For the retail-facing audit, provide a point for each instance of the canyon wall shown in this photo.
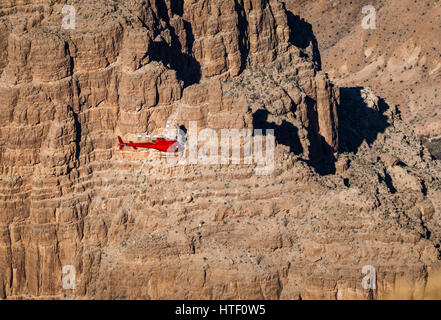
(134, 226)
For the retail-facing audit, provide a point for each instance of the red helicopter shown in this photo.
(163, 143)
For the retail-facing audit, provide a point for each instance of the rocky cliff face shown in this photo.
(399, 59)
(134, 226)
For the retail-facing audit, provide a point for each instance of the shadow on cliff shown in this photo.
(285, 134)
(302, 36)
(357, 121)
(177, 7)
(187, 68)
(174, 55)
(434, 146)
(320, 153)
(243, 36)
(78, 134)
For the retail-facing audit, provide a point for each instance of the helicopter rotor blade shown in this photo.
(167, 125)
(147, 136)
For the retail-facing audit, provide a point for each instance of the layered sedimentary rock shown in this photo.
(134, 226)
(399, 59)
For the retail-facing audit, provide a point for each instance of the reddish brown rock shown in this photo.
(134, 226)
